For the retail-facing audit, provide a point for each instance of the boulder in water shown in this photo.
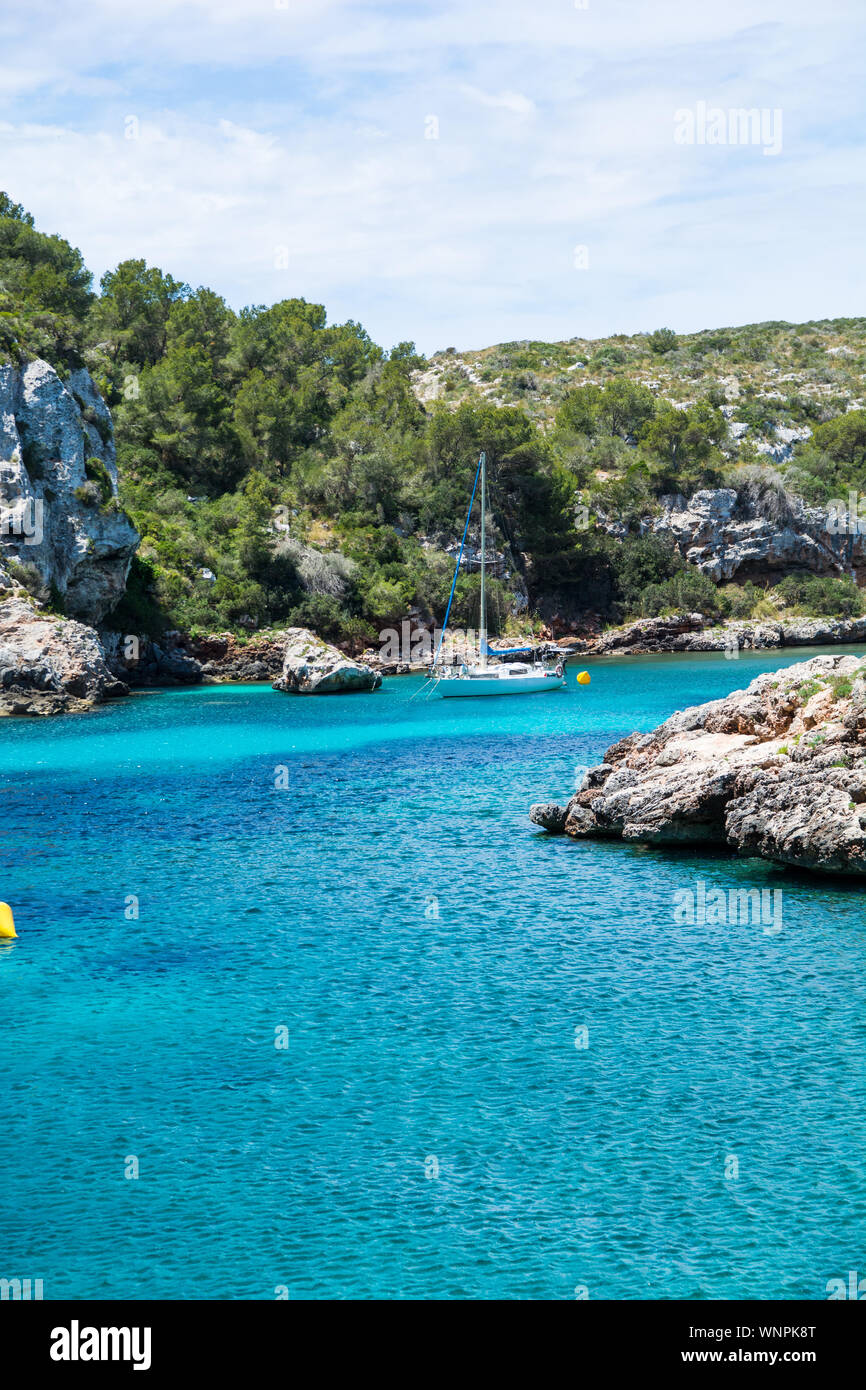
(313, 667)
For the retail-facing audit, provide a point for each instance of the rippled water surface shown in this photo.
(431, 1128)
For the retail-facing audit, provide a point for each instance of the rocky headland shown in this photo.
(777, 770)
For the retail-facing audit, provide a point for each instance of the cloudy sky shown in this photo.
(457, 172)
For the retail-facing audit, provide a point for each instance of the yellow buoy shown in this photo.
(583, 678)
(7, 922)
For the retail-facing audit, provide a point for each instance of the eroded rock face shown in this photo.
(53, 516)
(145, 662)
(723, 542)
(313, 667)
(729, 542)
(223, 658)
(777, 770)
(727, 538)
(649, 635)
(50, 665)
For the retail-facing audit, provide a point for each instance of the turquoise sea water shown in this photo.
(431, 1130)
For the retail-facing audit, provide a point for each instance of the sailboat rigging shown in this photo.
(504, 677)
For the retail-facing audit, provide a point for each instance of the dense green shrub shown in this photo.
(663, 340)
(322, 613)
(741, 600)
(822, 596)
(620, 407)
(643, 563)
(98, 474)
(45, 292)
(689, 591)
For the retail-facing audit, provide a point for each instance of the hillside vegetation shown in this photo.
(284, 469)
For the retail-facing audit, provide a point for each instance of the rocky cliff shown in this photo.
(64, 541)
(61, 528)
(777, 770)
(729, 536)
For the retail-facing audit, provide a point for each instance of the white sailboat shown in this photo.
(513, 679)
(503, 677)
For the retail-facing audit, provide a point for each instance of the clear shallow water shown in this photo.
(413, 1036)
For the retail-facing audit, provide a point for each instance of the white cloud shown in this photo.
(305, 127)
(515, 102)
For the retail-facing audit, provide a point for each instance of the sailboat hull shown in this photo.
(462, 687)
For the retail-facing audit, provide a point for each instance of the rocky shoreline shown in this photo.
(690, 632)
(220, 657)
(177, 659)
(55, 665)
(294, 660)
(51, 665)
(777, 771)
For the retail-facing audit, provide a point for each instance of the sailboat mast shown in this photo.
(483, 558)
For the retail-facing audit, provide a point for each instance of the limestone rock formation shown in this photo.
(223, 658)
(313, 667)
(649, 635)
(726, 540)
(777, 770)
(728, 537)
(141, 661)
(60, 525)
(50, 665)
